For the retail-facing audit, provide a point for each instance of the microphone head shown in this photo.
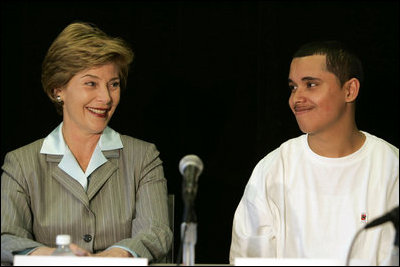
(191, 160)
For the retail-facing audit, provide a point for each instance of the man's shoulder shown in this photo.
(288, 146)
(294, 142)
(284, 151)
(377, 143)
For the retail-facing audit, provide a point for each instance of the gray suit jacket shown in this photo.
(125, 203)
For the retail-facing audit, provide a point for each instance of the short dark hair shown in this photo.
(339, 59)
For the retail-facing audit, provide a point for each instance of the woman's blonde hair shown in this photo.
(78, 47)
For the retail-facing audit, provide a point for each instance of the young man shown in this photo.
(309, 197)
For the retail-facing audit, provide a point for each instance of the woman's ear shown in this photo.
(352, 88)
(57, 94)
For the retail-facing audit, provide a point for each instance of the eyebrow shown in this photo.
(95, 77)
(307, 78)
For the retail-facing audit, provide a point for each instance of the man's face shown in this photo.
(317, 99)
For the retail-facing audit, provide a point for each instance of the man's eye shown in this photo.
(311, 84)
(292, 87)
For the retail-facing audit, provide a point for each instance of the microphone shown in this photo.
(392, 216)
(190, 167)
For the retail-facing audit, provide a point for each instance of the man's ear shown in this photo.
(351, 88)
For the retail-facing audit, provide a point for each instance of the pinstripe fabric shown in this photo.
(125, 203)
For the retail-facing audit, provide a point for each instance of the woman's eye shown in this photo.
(90, 83)
(115, 84)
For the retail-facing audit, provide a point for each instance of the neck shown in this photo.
(336, 144)
(81, 144)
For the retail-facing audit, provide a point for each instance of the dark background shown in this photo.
(208, 78)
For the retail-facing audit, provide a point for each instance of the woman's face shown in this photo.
(90, 99)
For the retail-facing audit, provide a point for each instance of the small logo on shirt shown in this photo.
(363, 217)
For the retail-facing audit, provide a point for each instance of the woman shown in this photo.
(84, 179)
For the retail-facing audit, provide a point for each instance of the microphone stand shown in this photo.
(393, 217)
(394, 257)
(189, 232)
(190, 167)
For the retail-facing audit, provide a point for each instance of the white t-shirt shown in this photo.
(298, 204)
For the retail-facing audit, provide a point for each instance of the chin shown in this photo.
(306, 130)
(302, 127)
(98, 129)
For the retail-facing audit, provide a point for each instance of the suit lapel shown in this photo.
(72, 185)
(103, 173)
(97, 180)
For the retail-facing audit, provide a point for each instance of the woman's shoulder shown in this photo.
(30, 149)
(133, 141)
(25, 156)
(137, 145)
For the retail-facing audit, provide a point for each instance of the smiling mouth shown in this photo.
(301, 110)
(98, 111)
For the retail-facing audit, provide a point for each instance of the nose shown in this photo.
(297, 96)
(103, 95)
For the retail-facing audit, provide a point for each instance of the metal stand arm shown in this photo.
(189, 238)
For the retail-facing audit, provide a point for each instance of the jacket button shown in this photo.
(87, 238)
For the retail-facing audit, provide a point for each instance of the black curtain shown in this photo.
(208, 78)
